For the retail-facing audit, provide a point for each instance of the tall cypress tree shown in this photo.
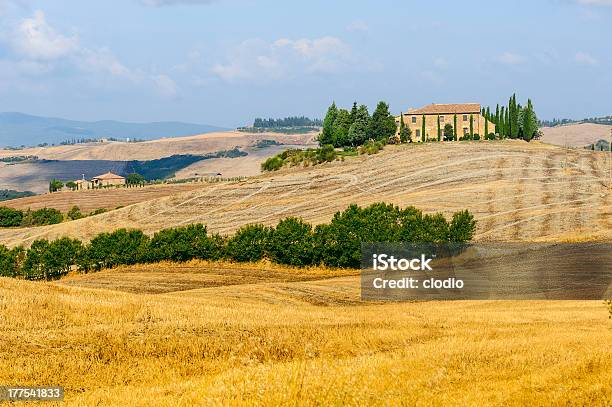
(423, 130)
(507, 122)
(486, 129)
(497, 126)
(471, 126)
(455, 127)
(529, 121)
(439, 130)
(502, 124)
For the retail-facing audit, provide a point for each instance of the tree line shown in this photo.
(293, 121)
(344, 128)
(10, 217)
(513, 120)
(292, 242)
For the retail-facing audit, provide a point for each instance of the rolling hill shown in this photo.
(576, 135)
(516, 190)
(17, 129)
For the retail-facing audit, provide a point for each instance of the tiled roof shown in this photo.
(108, 175)
(451, 108)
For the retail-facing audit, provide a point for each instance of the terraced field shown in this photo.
(516, 190)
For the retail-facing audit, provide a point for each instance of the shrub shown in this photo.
(185, 243)
(249, 243)
(272, 164)
(10, 217)
(490, 136)
(109, 250)
(74, 213)
(41, 217)
(462, 227)
(98, 211)
(476, 137)
(371, 147)
(291, 243)
(8, 262)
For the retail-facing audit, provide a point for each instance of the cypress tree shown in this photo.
(486, 129)
(423, 130)
(502, 125)
(497, 126)
(507, 123)
(327, 135)
(354, 112)
(439, 131)
(529, 121)
(471, 126)
(455, 127)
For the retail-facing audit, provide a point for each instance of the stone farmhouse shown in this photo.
(466, 113)
(104, 180)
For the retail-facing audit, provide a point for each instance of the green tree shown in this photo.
(354, 112)
(292, 243)
(71, 185)
(10, 217)
(486, 127)
(455, 127)
(382, 124)
(327, 134)
(74, 213)
(185, 243)
(342, 124)
(405, 131)
(471, 126)
(358, 132)
(439, 129)
(8, 262)
(135, 179)
(449, 134)
(423, 135)
(462, 227)
(55, 185)
(249, 243)
(529, 121)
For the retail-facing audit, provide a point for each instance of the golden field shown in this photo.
(516, 191)
(295, 337)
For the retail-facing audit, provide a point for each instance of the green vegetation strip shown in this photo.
(292, 242)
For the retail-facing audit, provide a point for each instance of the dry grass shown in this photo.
(516, 190)
(268, 343)
(576, 135)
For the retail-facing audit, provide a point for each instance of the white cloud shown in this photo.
(585, 58)
(165, 85)
(259, 61)
(358, 26)
(35, 39)
(103, 60)
(510, 58)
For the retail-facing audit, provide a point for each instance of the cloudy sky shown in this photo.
(225, 62)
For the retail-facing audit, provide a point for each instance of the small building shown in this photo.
(108, 179)
(466, 113)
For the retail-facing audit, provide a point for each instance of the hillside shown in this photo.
(516, 190)
(70, 162)
(576, 135)
(18, 129)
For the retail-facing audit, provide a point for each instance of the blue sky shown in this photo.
(225, 62)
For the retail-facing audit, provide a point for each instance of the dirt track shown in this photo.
(517, 191)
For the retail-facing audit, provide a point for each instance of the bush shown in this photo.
(9, 266)
(462, 227)
(249, 243)
(291, 243)
(476, 137)
(185, 243)
(42, 217)
(490, 136)
(371, 147)
(272, 164)
(74, 213)
(10, 217)
(50, 260)
(108, 250)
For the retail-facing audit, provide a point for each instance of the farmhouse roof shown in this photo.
(108, 175)
(450, 108)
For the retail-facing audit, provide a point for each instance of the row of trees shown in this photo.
(293, 121)
(10, 217)
(342, 128)
(513, 120)
(292, 242)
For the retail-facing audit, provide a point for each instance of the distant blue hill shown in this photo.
(17, 129)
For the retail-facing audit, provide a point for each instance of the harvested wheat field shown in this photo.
(576, 135)
(276, 340)
(90, 200)
(516, 191)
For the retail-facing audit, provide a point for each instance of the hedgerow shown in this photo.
(292, 242)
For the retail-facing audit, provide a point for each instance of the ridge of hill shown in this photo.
(516, 191)
(18, 129)
(576, 135)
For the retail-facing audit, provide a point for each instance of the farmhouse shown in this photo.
(107, 179)
(465, 113)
